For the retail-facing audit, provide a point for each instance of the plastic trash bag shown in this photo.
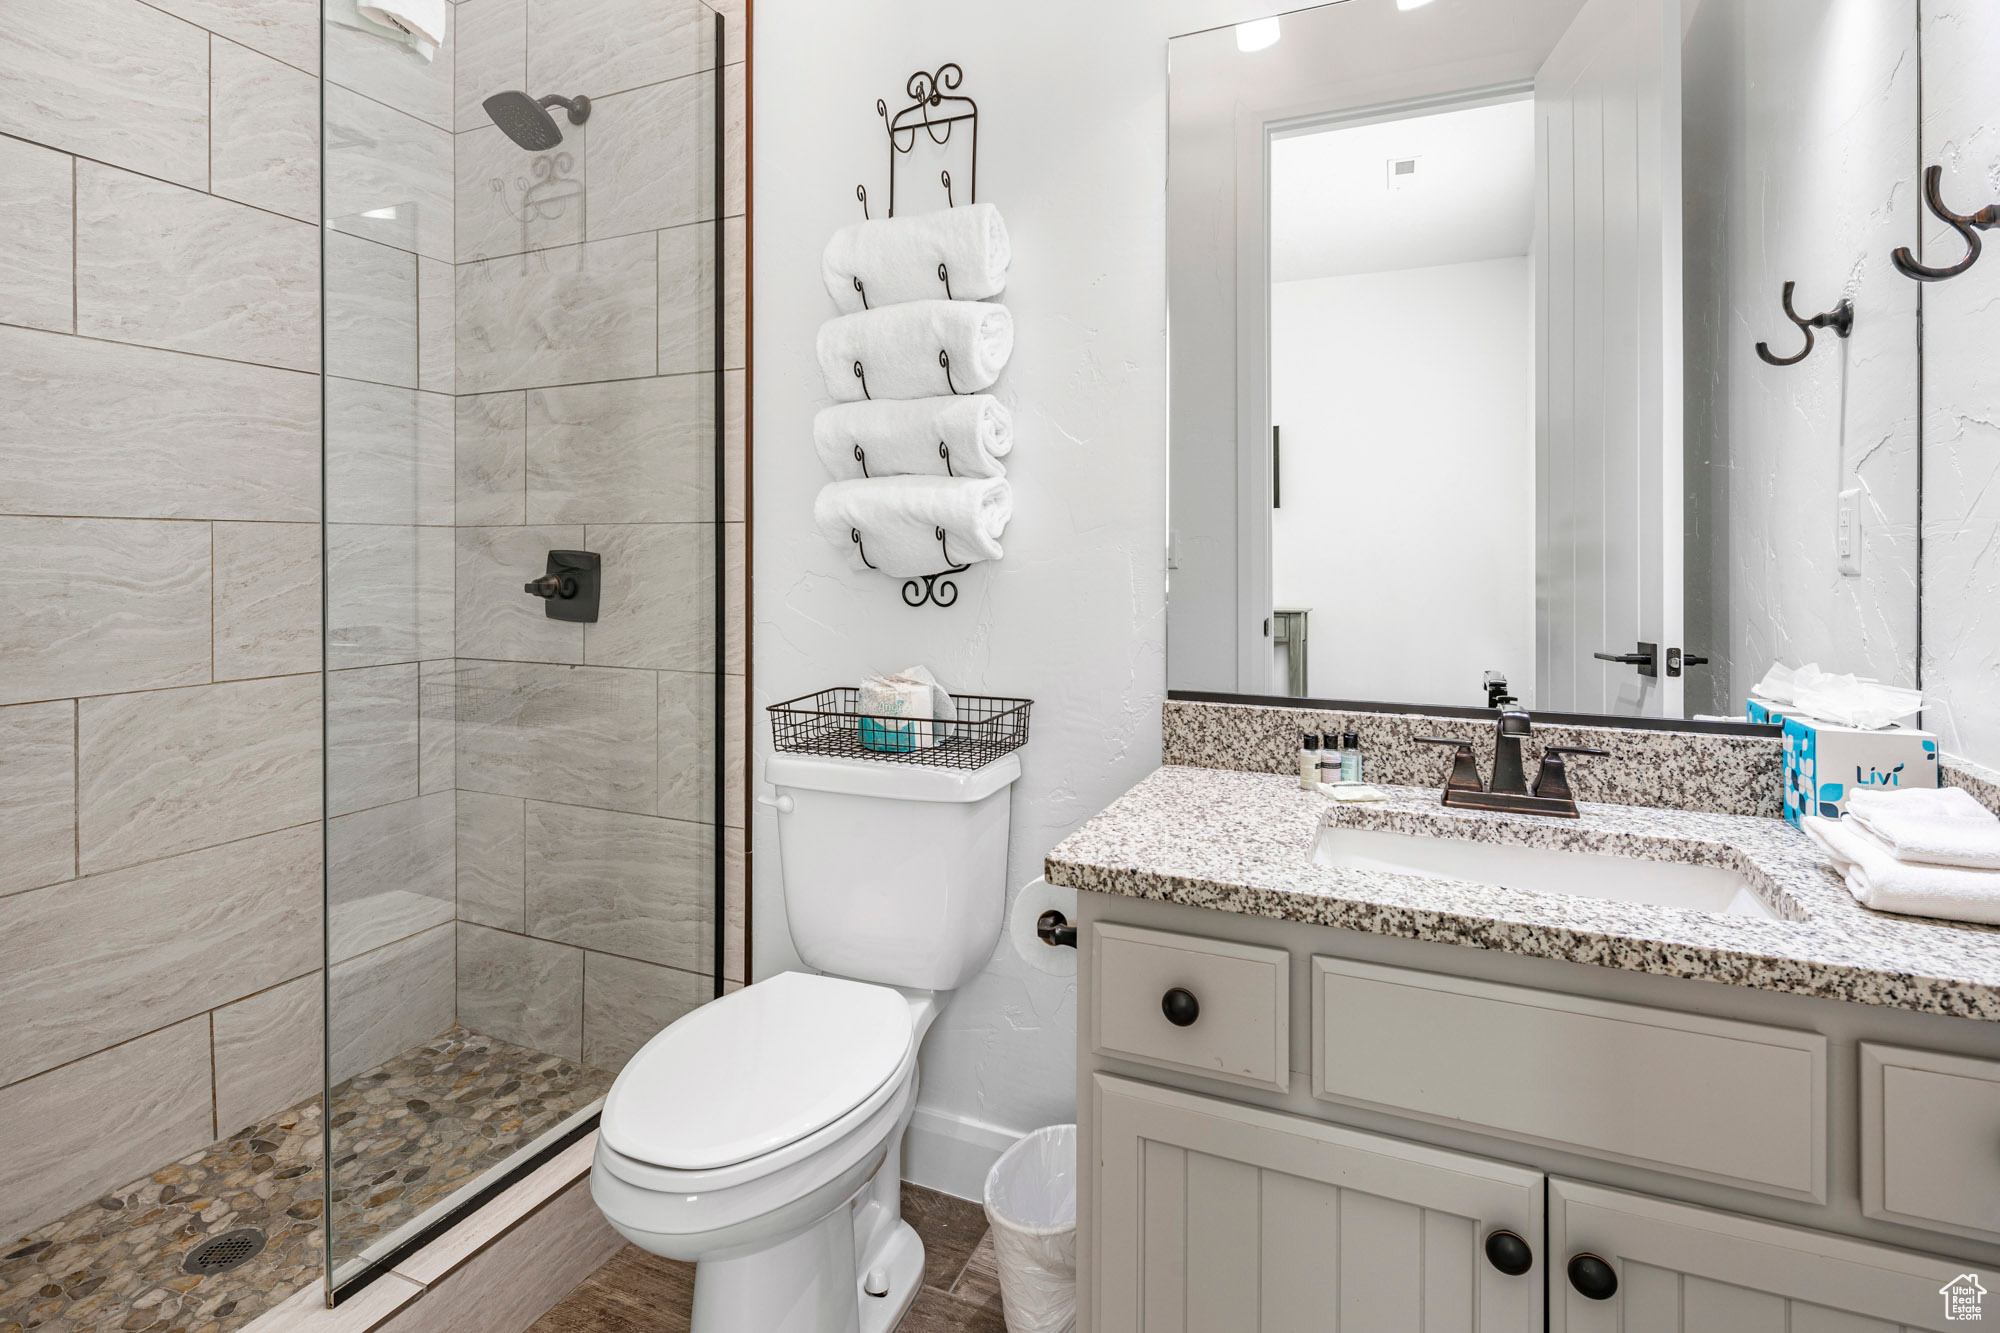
(1031, 1204)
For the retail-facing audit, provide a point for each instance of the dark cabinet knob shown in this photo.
(1509, 1253)
(1592, 1277)
(1180, 1007)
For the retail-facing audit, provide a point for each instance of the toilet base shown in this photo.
(815, 1282)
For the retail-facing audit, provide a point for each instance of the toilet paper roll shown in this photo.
(1029, 904)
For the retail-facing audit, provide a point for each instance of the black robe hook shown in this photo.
(1840, 319)
(1967, 226)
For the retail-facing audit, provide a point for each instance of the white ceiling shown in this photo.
(1472, 198)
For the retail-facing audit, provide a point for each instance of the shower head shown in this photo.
(526, 120)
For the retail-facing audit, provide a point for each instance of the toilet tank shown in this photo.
(893, 873)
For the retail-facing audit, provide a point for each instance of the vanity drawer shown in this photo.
(1930, 1140)
(1240, 997)
(1737, 1103)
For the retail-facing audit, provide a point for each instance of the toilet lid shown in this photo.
(756, 1070)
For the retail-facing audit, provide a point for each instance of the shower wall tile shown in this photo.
(267, 603)
(491, 857)
(687, 305)
(626, 451)
(526, 991)
(130, 432)
(735, 903)
(436, 325)
(492, 458)
(115, 605)
(511, 200)
(735, 444)
(371, 311)
(658, 608)
(735, 295)
(390, 999)
(389, 874)
(266, 131)
(171, 770)
(630, 884)
(687, 745)
(528, 729)
(437, 726)
(492, 54)
(588, 45)
(650, 162)
(267, 1053)
(286, 29)
(38, 793)
(399, 165)
(116, 80)
(735, 135)
(735, 593)
(393, 75)
(102, 959)
(389, 594)
(37, 208)
(169, 267)
(371, 736)
(496, 619)
(626, 1003)
(94, 1125)
(579, 313)
(388, 454)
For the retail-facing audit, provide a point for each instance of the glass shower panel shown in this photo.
(521, 380)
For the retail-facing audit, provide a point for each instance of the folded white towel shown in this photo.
(1879, 881)
(933, 437)
(898, 519)
(423, 21)
(897, 259)
(1941, 826)
(898, 349)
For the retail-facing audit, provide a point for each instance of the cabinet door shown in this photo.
(1212, 1217)
(1688, 1270)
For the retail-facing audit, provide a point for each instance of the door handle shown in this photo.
(1644, 657)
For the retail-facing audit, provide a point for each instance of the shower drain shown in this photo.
(221, 1254)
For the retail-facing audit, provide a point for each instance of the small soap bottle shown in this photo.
(1350, 758)
(1329, 758)
(1309, 762)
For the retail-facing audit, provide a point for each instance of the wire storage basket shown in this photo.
(831, 722)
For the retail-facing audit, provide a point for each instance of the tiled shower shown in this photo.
(485, 854)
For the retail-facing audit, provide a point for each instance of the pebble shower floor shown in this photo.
(405, 1135)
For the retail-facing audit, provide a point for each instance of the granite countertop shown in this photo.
(1243, 843)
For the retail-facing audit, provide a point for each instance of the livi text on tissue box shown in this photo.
(1824, 762)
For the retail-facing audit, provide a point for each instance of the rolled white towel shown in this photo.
(1941, 826)
(898, 349)
(898, 519)
(1879, 881)
(422, 21)
(904, 438)
(897, 259)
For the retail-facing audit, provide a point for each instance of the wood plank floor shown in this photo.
(638, 1292)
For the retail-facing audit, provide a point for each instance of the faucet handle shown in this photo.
(1552, 783)
(1464, 767)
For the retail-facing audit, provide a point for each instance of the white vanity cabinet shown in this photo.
(1218, 1217)
(1325, 1131)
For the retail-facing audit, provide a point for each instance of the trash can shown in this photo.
(1031, 1204)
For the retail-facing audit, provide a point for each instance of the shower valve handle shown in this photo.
(552, 585)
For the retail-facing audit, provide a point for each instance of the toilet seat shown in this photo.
(754, 1080)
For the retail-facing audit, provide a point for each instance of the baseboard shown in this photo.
(951, 1153)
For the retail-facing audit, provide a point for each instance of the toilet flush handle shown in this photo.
(782, 804)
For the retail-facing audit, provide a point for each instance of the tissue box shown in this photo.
(1824, 762)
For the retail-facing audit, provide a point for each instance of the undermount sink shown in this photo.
(1616, 879)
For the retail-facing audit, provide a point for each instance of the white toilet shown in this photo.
(761, 1136)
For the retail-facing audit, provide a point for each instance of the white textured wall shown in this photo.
(1799, 123)
(1452, 433)
(1073, 150)
(1961, 48)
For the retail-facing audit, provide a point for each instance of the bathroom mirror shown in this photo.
(1467, 399)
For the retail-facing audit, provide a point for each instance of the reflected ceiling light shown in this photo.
(1258, 34)
(1411, 4)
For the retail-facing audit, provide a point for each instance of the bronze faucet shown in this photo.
(1509, 790)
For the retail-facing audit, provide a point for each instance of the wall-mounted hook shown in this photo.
(861, 457)
(937, 589)
(934, 109)
(864, 380)
(944, 276)
(944, 359)
(1840, 319)
(854, 535)
(861, 290)
(1966, 226)
(945, 454)
(861, 193)
(944, 179)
